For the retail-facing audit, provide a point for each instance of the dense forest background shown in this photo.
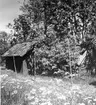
(63, 29)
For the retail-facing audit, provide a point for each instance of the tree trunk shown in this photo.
(45, 19)
(33, 65)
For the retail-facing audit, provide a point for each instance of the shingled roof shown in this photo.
(19, 49)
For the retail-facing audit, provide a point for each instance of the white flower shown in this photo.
(32, 103)
(33, 91)
(62, 97)
(3, 76)
(89, 101)
(95, 99)
(87, 98)
(46, 103)
(20, 87)
(81, 104)
(36, 100)
(27, 81)
(29, 96)
(14, 80)
(49, 91)
(11, 82)
(43, 89)
(2, 86)
(58, 81)
(67, 103)
(75, 87)
(14, 92)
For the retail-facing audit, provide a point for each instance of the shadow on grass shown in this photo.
(59, 75)
(93, 83)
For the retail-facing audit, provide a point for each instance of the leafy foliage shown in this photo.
(90, 46)
(3, 44)
(53, 23)
(21, 27)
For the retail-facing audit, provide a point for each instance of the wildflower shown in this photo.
(14, 80)
(81, 104)
(62, 97)
(2, 86)
(3, 76)
(14, 92)
(67, 103)
(49, 91)
(29, 96)
(42, 88)
(32, 103)
(36, 100)
(95, 99)
(75, 87)
(20, 87)
(46, 103)
(28, 81)
(33, 91)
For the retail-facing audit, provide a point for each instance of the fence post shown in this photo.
(14, 64)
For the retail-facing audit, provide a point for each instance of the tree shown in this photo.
(3, 35)
(54, 20)
(3, 44)
(88, 18)
(21, 28)
(90, 46)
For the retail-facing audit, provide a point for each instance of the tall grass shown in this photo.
(20, 90)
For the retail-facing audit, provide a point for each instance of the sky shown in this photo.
(9, 9)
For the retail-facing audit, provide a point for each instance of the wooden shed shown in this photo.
(17, 57)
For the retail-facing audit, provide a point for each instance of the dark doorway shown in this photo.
(10, 63)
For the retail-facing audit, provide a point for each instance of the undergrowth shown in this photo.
(20, 90)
